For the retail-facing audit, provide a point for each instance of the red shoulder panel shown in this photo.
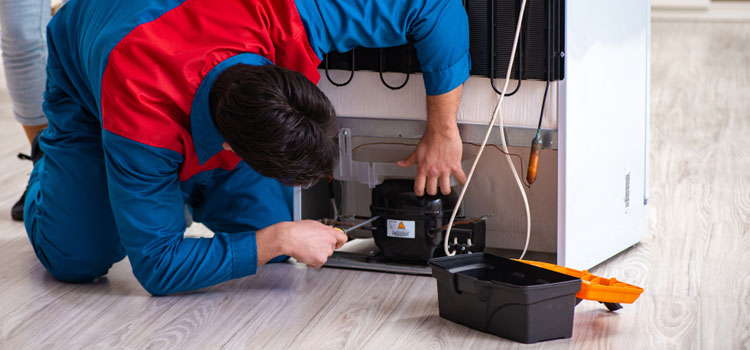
(152, 75)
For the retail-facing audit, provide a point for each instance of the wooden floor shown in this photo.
(694, 263)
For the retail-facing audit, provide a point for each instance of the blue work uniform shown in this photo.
(131, 140)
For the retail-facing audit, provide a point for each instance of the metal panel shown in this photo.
(474, 133)
(605, 89)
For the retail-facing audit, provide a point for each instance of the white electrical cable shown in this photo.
(505, 149)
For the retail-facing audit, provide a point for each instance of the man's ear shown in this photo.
(227, 147)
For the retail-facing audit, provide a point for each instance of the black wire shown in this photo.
(541, 114)
(549, 62)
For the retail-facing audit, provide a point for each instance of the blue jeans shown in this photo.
(23, 40)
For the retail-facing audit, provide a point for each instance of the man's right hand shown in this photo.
(308, 241)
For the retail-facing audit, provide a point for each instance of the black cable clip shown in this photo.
(408, 69)
(519, 51)
(351, 76)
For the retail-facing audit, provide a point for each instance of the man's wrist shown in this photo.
(280, 240)
(270, 242)
(442, 113)
(444, 129)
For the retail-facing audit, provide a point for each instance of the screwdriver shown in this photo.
(363, 223)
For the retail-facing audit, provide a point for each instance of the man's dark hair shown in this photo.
(277, 121)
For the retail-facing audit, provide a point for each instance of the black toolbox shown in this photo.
(505, 297)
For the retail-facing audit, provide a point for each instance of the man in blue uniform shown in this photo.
(158, 104)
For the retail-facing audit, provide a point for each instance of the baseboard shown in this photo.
(719, 11)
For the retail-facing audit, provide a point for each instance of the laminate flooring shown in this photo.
(693, 264)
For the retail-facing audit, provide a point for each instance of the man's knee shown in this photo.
(75, 261)
(76, 269)
(78, 275)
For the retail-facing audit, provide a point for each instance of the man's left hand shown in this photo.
(437, 156)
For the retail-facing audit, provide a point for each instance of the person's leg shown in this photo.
(23, 41)
(32, 130)
(69, 219)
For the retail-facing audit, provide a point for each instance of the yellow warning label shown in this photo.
(401, 225)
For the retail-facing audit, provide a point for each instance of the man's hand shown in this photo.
(438, 154)
(308, 241)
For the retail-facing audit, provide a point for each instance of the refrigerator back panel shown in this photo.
(491, 31)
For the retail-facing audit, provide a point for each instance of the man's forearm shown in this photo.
(438, 154)
(442, 111)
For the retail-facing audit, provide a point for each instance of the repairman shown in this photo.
(159, 105)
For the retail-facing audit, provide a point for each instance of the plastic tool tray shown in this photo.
(505, 297)
(608, 291)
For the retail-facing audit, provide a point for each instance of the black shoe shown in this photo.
(16, 212)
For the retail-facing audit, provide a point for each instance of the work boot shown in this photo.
(16, 212)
